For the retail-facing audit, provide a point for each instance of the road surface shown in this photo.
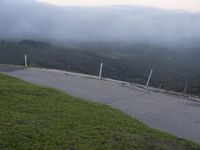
(165, 112)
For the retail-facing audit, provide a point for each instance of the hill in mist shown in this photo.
(124, 62)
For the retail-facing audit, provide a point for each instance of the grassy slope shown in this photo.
(33, 117)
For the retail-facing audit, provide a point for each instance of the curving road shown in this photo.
(166, 112)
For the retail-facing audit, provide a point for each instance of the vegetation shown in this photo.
(33, 117)
(128, 62)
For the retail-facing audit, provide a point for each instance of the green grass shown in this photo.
(33, 117)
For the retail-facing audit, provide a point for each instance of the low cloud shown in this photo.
(28, 19)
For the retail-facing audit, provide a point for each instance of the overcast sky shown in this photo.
(191, 5)
(30, 19)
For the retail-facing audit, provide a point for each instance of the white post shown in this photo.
(149, 78)
(185, 87)
(100, 72)
(25, 60)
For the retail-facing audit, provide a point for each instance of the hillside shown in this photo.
(33, 117)
(124, 62)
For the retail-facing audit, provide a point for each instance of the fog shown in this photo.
(28, 19)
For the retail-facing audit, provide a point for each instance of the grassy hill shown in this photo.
(130, 63)
(34, 117)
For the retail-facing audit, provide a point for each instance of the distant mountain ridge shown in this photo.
(124, 62)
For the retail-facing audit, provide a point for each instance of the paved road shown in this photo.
(10, 68)
(169, 113)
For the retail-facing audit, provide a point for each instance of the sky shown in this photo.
(189, 5)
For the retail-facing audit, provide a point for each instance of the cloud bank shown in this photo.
(28, 19)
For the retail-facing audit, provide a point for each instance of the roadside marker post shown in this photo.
(25, 60)
(100, 72)
(149, 78)
(185, 87)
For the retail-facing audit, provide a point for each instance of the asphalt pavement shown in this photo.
(170, 113)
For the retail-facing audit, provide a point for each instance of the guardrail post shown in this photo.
(149, 78)
(25, 61)
(100, 72)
